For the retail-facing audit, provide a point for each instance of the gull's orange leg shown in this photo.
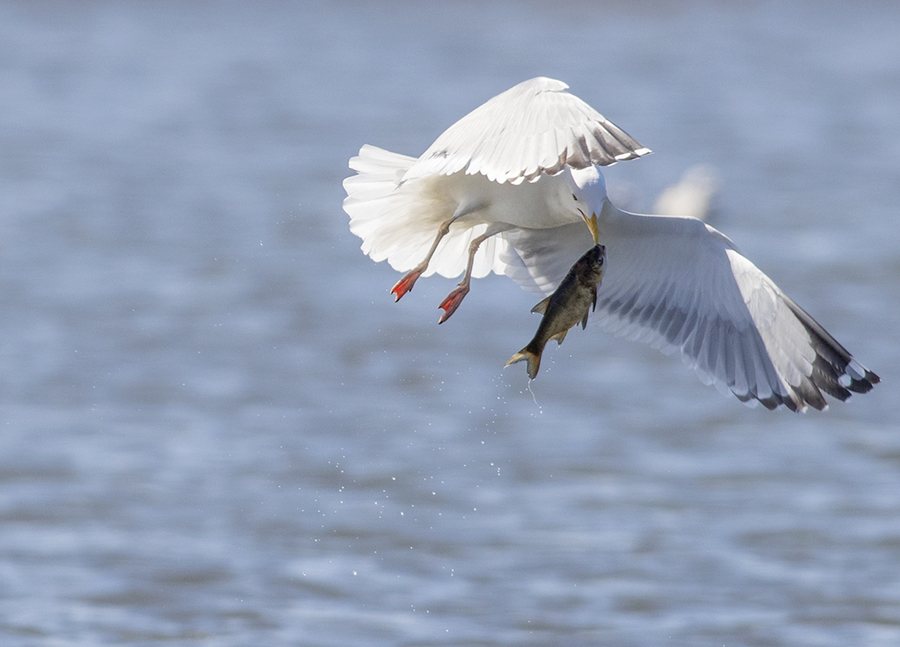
(406, 284)
(451, 301)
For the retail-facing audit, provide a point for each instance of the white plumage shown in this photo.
(531, 129)
(509, 189)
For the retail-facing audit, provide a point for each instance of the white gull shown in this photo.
(509, 188)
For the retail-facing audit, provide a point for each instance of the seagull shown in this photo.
(515, 188)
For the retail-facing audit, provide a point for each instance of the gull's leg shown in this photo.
(451, 301)
(405, 284)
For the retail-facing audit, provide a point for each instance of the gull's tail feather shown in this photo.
(397, 219)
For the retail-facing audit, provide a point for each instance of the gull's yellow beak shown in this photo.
(592, 225)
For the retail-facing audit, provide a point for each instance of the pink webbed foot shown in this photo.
(406, 284)
(452, 301)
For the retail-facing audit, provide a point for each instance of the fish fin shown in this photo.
(541, 308)
(533, 359)
(593, 305)
(560, 336)
(584, 321)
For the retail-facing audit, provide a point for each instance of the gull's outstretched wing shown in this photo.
(680, 285)
(533, 128)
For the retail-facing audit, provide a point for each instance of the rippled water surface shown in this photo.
(218, 429)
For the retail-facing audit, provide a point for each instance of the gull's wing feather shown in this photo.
(680, 285)
(533, 128)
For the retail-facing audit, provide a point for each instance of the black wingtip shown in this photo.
(835, 371)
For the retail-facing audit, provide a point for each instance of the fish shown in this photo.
(572, 301)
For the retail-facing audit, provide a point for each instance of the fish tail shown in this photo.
(533, 359)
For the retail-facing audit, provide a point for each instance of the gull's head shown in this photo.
(589, 192)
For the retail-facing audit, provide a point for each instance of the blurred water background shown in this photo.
(218, 428)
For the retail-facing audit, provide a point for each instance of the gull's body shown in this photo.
(510, 187)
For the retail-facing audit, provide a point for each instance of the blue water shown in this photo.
(218, 428)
